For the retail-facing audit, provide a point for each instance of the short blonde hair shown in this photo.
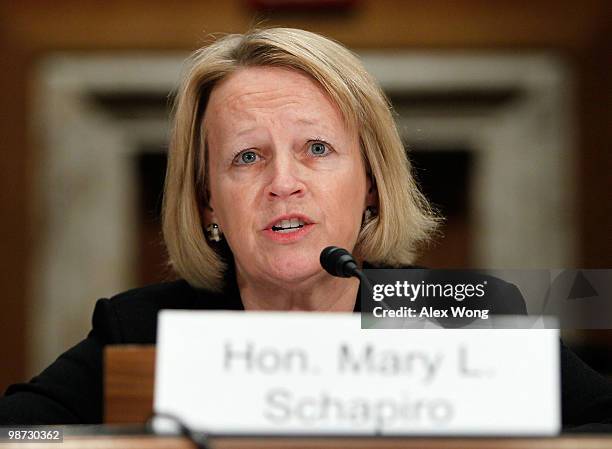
(404, 218)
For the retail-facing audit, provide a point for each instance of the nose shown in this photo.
(285, 180)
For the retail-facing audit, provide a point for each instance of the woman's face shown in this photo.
(286, 177)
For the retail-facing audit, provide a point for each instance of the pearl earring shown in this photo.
(369, 214)
(213, 234)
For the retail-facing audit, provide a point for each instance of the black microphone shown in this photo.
(339, 262)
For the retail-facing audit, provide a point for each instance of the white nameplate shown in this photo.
(320, 373)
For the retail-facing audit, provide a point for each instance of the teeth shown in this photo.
(288, 225)
(286, 231)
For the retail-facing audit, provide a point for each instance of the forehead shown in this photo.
(256, 93)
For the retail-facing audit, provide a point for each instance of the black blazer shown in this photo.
(70, 390)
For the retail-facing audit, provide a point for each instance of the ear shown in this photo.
(371, 191)
(208, 212)
(207, 208)
(208, 216)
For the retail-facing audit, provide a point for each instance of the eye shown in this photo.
(318, 149)
(246, 157)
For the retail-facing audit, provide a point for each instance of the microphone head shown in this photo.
(338, 262)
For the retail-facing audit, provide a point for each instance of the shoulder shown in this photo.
(70, 390)
(175, 295)
(586, 395)
(131, 316)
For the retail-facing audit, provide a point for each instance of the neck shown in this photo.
(322, 293)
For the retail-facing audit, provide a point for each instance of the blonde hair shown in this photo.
(404, 218)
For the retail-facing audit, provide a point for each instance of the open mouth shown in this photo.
(288, 226)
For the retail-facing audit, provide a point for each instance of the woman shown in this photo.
(282, 145)
(277, 125)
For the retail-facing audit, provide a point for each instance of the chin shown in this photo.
(295, 269)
